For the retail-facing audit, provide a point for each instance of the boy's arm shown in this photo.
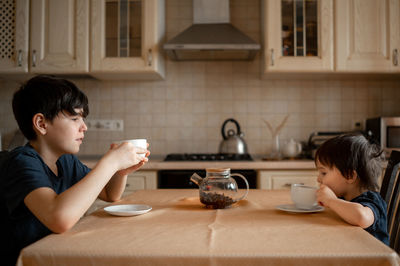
(352, 212)
(116, 186)
(60, 212)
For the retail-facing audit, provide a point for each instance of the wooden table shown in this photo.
(180, 231)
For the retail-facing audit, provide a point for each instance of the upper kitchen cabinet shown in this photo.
(14, 36)
(298, 35)
(367, 35)
(126, 39)
(59, 42)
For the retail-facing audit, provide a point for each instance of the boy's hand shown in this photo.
(129, 170)
(325, 195)
(127, 157)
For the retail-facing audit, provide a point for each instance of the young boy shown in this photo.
(44, 188)
(348, 170)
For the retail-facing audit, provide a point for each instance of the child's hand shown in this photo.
(125, 155)
(325, 195)
(129, 170)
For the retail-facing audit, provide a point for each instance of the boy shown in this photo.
(348, 170)
(44, 188)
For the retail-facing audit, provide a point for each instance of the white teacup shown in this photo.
(304, 197)
(140, 143)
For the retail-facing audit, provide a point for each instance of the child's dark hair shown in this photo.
(353, 152)
(47, 95)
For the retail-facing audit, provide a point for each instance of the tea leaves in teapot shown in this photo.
(215, 200)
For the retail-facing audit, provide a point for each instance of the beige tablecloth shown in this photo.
(180, 231)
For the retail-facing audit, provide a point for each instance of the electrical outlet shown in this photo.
(105, 124)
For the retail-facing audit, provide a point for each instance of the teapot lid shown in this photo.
(223, 171)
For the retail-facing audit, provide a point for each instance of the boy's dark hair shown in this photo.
(353, 152)
(47, 95)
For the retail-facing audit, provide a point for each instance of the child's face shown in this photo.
(332, 178)
(65, 133)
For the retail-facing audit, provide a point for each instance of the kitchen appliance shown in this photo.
(218, 189)
(384, 131)
(316, 139)
(211, 36)
(291, 149)
(233, 142)
(180, 178)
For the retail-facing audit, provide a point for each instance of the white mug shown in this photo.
(304, 197)
(140, 143)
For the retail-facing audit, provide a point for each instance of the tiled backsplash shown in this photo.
(185, 112)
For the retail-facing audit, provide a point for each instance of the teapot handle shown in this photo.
(247, 186)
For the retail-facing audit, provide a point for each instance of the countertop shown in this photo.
(157, 163)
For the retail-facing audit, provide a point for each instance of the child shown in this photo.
(44, 188)
(348, 170)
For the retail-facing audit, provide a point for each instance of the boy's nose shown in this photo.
(84, 127)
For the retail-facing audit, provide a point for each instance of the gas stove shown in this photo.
(207, 157)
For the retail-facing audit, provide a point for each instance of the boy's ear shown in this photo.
(39, 124)
(353, 178)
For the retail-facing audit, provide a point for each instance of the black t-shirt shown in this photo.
(21, 173)
(374, 201)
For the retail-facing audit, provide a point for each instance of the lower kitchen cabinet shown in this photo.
(136, 181)
(283, 179)
(141, 180)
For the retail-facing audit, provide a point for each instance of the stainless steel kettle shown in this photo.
(233, 143)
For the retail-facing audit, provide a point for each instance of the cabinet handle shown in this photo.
(290, 184)
(19, 60)
(395, 57)
(272, 57)
(33, 58)
(149, 57)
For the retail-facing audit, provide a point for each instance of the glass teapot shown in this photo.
(218, 189)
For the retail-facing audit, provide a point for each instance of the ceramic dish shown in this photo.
(127, 209)
(293, 208)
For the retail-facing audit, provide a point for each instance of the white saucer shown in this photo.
(127, 209)
(293, 208)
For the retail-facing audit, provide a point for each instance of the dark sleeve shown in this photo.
(375, 202)
(25, 173)
(73, 169)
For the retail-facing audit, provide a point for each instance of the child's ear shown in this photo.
(353, 178)
(39, 124)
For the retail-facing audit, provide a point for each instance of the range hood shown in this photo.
(211, 36)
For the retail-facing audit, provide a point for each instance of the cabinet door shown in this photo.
(367, 35)
(141, 180)
(59, 36)
(126, 39)
(283, 179)
(15, 36)
(298, 36)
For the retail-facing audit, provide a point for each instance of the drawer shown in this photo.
(285, 182)
(283, 179)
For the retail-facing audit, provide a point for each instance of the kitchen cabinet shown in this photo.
(56, 33)
(15, 36)
(59, 42)
(141, 180)
(297, 36)
(283, 179)
(367, 35)
(126, 39)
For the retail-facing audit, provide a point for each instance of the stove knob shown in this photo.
(213, 157)
(203, 157)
